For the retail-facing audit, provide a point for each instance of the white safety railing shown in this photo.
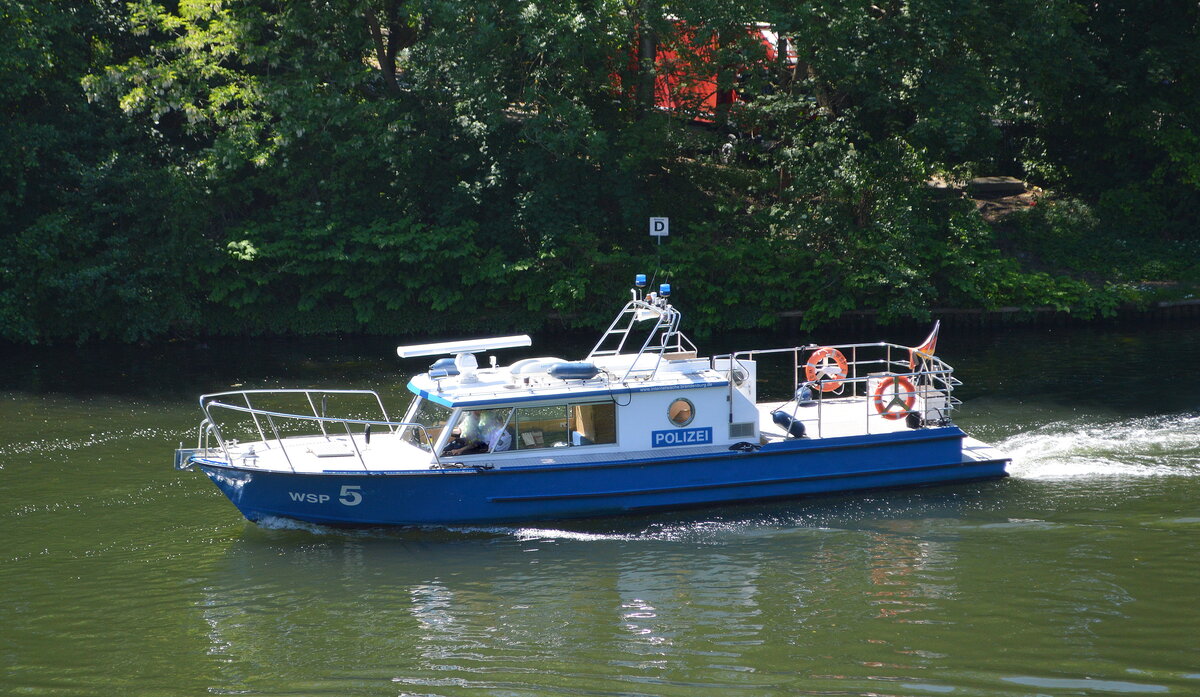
(922, 383)
(318, 421)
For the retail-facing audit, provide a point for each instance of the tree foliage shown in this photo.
(435, 166)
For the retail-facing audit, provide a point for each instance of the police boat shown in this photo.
(644, 422)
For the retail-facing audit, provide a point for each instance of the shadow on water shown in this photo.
(860, 511)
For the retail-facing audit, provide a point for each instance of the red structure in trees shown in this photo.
(691, 76)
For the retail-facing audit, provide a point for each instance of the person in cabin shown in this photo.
(497, 437)
(466, 439)
(481, 432)
(455, 443)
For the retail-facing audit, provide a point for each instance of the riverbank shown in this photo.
(1164, 311)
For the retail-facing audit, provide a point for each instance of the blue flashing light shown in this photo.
(664, 290)
(640, 280)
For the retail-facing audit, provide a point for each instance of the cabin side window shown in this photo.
(593, 423)
(563, 425)
(540, 427)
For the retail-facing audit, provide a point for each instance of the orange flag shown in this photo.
(926, 349)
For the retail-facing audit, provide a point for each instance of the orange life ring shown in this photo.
(904, 396)
(827, 368)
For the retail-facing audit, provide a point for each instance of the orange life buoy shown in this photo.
(904, 395)
(827, 368)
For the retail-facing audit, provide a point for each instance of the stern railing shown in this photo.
(932, 378)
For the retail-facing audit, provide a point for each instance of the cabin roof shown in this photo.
(500, 386)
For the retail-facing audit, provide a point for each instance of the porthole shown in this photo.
(681, 412)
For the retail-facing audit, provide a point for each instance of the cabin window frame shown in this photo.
(598, 427)
(412, 415)
(457, 423)
(691, 410)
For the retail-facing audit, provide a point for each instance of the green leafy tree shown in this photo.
(240, 166)
(1120, 123)
(94, 218)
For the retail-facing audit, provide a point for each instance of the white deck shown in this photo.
(833, 418)
(386, 453)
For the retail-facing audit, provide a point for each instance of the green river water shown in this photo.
(1077, 575)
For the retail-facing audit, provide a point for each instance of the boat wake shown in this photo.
(520, 533)
(1147, 447)
(608, 530)
(43, 447)
(280, 523)
(535, 534)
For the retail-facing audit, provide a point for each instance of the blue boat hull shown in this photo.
(545, 492)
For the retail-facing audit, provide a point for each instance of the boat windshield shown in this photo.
(432, 416)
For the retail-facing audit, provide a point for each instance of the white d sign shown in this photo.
(660, 227)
